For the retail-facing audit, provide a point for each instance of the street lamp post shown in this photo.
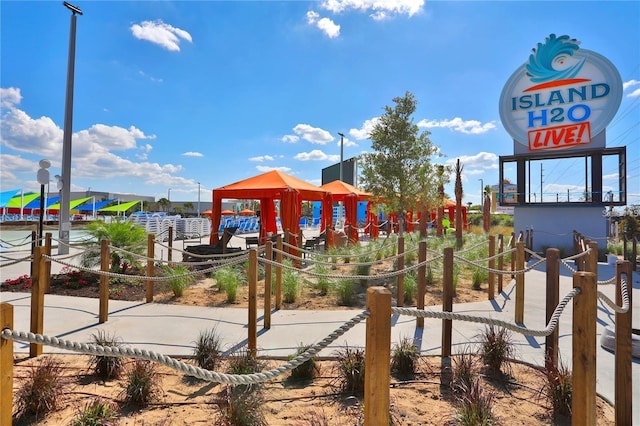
(65, 195)
(169, 195)
(341, 156)
(43, 179)
(198, 199)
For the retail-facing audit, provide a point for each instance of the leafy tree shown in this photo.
(399, 170)
(188, 207)
(122, 234)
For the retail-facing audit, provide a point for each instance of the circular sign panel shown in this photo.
(561, 98)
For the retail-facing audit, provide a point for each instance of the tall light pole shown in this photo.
(64, 225)
(481, 195)
(169, 195)
(341, 152)
(198, 199)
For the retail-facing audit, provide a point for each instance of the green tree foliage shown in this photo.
(399, 168)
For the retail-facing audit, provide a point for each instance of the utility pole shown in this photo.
(341, 152)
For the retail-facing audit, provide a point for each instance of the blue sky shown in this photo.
(169, 94)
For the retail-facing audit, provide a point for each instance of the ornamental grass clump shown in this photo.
(479, 277)
(344, 289)
(474, 406)
(290, 285)
(309, 369)
(178, 278)
(42, 390)
(142, 383)
(559, 389)
(410, 287)
(97, 412)
(106, 367)
(323, 284)
(228, 280)
(496, 348)
(464, 371)
(207, 353)
(404, 358)
(351, 370)
(241, 406)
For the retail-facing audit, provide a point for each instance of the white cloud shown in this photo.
(379, 9)
(152, 78)
(470, 127)
(347, 142)
(326, 25)
(162, 34)
(634, 94)
(290, 138)
(262, 158)
(630, 83)
(364, 131)
(192, 154)
(312, 134)
(611, 176)
(283, 169)
(481, 161)
(10, 97)
(94, 150)
(316, 155)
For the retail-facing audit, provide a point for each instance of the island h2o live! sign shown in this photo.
(562, 98)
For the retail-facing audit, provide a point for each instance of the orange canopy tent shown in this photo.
(246, 212)
(350, 195)
(267, 187)
(450, 213)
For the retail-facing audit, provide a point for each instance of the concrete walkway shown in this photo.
(173, 329)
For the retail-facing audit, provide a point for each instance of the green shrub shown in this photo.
(106, 367)
(404, 357)
(42, 390)
(244, 362)
(364, 268)
(208, 350)
(430, 278)
(351, 370)
(344, 289)
(142, 383)
(97, 412)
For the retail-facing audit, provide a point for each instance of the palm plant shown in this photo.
(459, 193)
(122, 234)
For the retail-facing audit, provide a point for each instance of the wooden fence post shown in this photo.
(583, 401)
(591, 262)
(500, 261)
(252, 340)
(512, 257)
(268, 254)
(400, 278)
(170, 251)
(47, 245)
(150, 261)
(36, 243)
(553, 298)
(6, 366)
(377, 357)
(491, 289)
(422, 280)
(624, 349)
(447, 299)
(104, 281)
(279, 273)
(519, 283)
(37, 300)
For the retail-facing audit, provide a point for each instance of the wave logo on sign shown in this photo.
(561, 98)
